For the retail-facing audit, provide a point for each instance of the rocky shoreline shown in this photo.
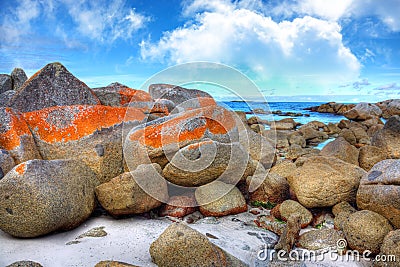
(172, 159)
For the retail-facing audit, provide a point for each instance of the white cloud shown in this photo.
(305, 48)
(102, 21)
(331, 10)
(105, 21)
(18, 21)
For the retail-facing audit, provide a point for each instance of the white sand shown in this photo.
(128, 240)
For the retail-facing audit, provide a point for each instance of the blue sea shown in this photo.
(295, 107)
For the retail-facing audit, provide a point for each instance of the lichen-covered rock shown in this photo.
(363, 111)
(6, 97)
(369, 156)
(6, 162)
(5, 83)
(319, 239)
(39, 196)
(388, 139)
(125, 193)
(220, 199)
(342, 211)
(181, 97)
(289, 207)
(158, 140)
(18, 77)
(365, 230)
(15, 136)
(52, 86)
(181, 246)
(92, 134)
(200, 163)
(341, 149)
(379, 190)
(179, 206)
(118, 95)
(325, 181)
(284, 168)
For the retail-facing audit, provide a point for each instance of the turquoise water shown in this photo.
(296, 107)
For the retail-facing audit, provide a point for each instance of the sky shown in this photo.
(306, 50)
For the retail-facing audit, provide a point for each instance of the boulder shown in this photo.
(52, 86)
(342, 211)
(118, 95)
(125, 194)
(349, 136)
(183, 98)
(6, 162)
(296, 138)
(180, 246)
(341, 149)
(363, 111)
(284, 168)
(179, 206)
(18, 77)
(200, 163)
(388, 138)
(25, 264)
(365, 230)
(325, 181)
(220, 199)
(5, 83)
(157, 141)
(361, 136)
(369, 156)
(319, 239)
(259, 147)
(373, 129)
(390, 246)
(273, 189)
(289, 207)
(379, 190)
(290, 234)
(389, 107)
(6, 97)
(39, 196)
(15, 136)
(92, 134)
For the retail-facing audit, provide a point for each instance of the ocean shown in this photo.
(294, 107)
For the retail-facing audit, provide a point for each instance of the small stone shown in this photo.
(319, 239)
(289, 207)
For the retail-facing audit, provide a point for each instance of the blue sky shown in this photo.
(343, 50)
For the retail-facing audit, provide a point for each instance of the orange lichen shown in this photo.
(129, 94)
(217, 121)
(197, 145)
(85, 120)
(206, 101)
(20, 169)
(17, 127)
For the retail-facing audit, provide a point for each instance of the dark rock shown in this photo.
(19, 77)
(25, 264)
(60, 193)
(5, 83)
(6, 97)
(6, 162)
(52, 86)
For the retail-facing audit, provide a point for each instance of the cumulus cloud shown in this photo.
(305, 48)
